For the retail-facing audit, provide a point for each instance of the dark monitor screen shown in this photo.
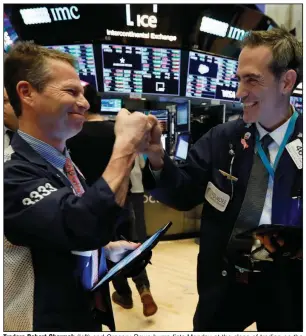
(111, 105)
(204, 119)
(86, 62)
(182, 146)
(129, 69)
(182, 117)
(211, 77)
(297, 102)
(163, 118)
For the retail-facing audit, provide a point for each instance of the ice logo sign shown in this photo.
(145, 20)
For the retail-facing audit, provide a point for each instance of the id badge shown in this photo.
(215, 197)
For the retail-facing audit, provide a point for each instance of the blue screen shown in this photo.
(10, 36)
(111, 105)
(182, 114)
(297, 102)
(182, 145)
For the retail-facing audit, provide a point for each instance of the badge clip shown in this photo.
(228, 176)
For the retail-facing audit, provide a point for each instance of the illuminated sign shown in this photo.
(222, 29)
(141, 20)
(228, 94)
(41, 14)
(145, 21)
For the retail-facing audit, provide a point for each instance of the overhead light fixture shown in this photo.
(298, 92)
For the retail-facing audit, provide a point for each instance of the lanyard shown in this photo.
(263, 155)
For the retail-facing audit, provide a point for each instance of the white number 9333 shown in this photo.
(36, 196)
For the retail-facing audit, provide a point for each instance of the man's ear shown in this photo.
(288, 81)
(25, 92)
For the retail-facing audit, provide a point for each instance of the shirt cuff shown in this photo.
(155, 173)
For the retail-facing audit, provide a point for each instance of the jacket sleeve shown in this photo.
(38, 214)
(183, 188)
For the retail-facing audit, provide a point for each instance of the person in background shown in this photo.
(96, 140)
(247, 173)
(58, 230)
(10, 120)
(136, 232)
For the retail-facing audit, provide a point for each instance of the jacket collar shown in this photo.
(22, 148)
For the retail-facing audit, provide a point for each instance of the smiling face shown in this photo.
(57, 111)
(259, 90)
(61, 105)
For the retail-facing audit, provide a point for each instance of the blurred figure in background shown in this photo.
(137, 232)
(91, 150)
(10, 120)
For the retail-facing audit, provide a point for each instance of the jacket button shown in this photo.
(224, 273)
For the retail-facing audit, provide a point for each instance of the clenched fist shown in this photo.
(133, 129)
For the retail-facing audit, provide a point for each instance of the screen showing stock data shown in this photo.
(86, 61)
(211, 77)
(297, 102)
(141, 69)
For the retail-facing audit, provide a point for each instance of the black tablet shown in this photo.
(135, 255)
(270, 229)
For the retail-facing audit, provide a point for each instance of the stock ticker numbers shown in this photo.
(141, 69)
(86, 62)
(211, 77)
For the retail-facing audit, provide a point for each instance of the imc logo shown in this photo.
(41, 14)
(141, 20)
(222, 29)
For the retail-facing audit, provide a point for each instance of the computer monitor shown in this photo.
(163, 118)
(204, 119)
(10, 36)
(86, 61)
(163, 141)
(111, 105)
(297, 102)
(182, 120)
(182, 145)
(144, 69)
(211, 77)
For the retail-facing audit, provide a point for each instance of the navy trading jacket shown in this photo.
(43, 222)
(184, 188)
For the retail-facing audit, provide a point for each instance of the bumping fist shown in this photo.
(134, 129)
(154, 150)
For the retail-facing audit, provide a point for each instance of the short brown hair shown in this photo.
(27, 61)
(287, 51)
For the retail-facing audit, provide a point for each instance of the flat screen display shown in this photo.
(182, 117)
(129, 69)
(111, 105)
(162, 117)
(86, 61)
(297, 102)
(10, 35)
(182, 145)
(211, 77)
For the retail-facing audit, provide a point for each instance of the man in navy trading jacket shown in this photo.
(247, 173)
(55, 226)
